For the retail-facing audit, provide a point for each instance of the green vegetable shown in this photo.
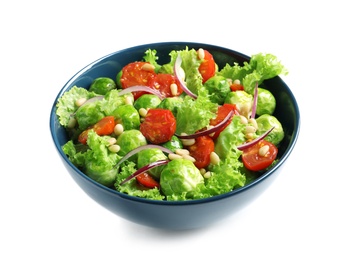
(174, 144)
(129, 140)
(259, 68)
(266, 102)
(102, 85)
(265, 122)
(194, 115)
(148, 156)
(218, 87)
(171, 103)
(66, 104)
(128, 116)
(151, 57)
(147, 101)
(180, 179)
(242, 100)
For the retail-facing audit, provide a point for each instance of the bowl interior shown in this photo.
(108, 66)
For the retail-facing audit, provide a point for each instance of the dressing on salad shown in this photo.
(177, 131)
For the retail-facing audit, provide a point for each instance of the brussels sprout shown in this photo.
(174, 144)
(180, 176)
(218, 87)
(265, 122)
(118, 79)
(148, 156)
(104, 177)
(171, 103)
(128, 116)
(129, 140)
(242, 100)
(102, 85)
(266, 102)
(89, 114)
(147, 101)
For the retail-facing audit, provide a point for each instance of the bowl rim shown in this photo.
(293, 139)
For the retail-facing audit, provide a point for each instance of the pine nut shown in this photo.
(263, 151)
(243, 120)
(201, 54)
(214, 158)
(188, 142)
(188, 157)
(128, 100)
(148, 67)
(182, 152)
(118, 129)
(114, 148)
(250, 129)
(142, 112)
(236, 81)
(174, 89)
(112, 141)
(253, 122)
(173, 156)
(249, 136)
(207, 175)
(80, 102)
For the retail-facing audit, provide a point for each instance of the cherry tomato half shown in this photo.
(147, 180)
(235, 87)
(207, 68)
(222, 113)
(134, 74)
(254, 161)
(159, 125)
(201, 151)
(105, 126)
(162, 82)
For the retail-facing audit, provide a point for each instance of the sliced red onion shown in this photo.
(177, 67)
(253, 142)
(88, 101)
(144, 169)
(141, 88)
(140, 148)
(255, 98)
(208, 131)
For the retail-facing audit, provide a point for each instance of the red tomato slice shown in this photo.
(159, 125)
(163, 81)
(207, 68)
(201, 151)
(222, 113)
(235, 87)
(105, 126)
(134, 74)
(147, 180)
(254, 161)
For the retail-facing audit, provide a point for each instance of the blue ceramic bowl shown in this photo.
(185, 214)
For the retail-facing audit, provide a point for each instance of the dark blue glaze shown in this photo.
(186, 214)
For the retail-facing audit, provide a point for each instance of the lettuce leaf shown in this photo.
(260, 67)
(66, 103)
(195, 114)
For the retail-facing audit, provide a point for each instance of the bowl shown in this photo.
(176, 215)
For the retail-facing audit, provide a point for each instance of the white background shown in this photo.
(45, 215)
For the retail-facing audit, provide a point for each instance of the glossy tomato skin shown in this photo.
(222, 113)
(159, 125)
(147, 180)
(162, 82)
(255, 162)
(207, 68)
(137, 74)
(201, 151)
(105, 126)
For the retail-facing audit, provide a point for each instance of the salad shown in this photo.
(178, 131)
